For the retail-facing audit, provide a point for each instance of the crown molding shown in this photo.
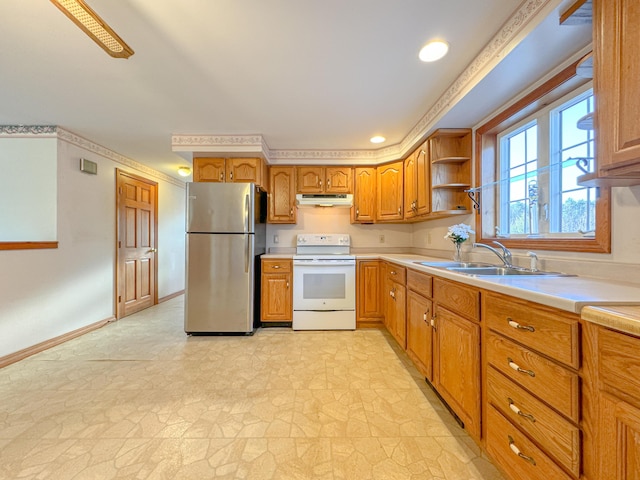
(88, 145)
(52, 131)
(521, 23)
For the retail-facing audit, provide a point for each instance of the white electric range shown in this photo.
(324, 283)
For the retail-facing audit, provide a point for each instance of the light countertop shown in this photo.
(625, 319)
(565, 293)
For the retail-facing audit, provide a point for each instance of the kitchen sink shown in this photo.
(503, 271)
(477, 269)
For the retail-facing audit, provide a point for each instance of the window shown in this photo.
(539, 193)
(529, 160)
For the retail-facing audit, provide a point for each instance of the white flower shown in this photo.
(459, 233)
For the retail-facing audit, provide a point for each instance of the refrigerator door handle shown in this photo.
(246, 214)
(246, 254)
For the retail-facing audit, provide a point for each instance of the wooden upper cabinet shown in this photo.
(244, 170)
(310, 179)
(390, 192)
(208, 169)
(315, 179)
(450, 159)
(282, 195)
(616, 86)
(410, 193)
(239, 170)
(364, 198)
(338, 180)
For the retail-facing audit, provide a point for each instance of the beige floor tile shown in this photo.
(138, 399)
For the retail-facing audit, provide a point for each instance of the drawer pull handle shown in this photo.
(517, 451)
(515, 409)
(517, 326)
(275, 266)
(393, 272)
(517, 368)
(433, 322)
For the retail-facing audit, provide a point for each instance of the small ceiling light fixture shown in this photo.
(84, 17)
(377, 139)
(434, 50)
(184, 171)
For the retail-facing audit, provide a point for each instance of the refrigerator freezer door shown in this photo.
(220, 207)
(219, 290)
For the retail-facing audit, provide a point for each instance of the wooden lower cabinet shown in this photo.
(457, 366)
(419, 329)
(369, 303)
(276, 291)
(532, 394)
(394, 294)
(613, 415)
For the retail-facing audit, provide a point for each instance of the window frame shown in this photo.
(487, 169)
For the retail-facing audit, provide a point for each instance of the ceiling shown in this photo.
(307, 75)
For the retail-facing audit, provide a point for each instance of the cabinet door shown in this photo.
(369, 300)
(390, 191)
(339, 179)
(208, 169)
(364, 199)
(395, 312)
(389, 305)
(619, 440)
(282, 194)
(457, 366)
(244, 170)
(310, 179)
(419, 338)
(410, 193)
(423, 181)
(617, 83)
(276, 297)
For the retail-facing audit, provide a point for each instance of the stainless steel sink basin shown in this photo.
(479, 269)
(503, 271)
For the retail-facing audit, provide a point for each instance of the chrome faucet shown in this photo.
(505, 256)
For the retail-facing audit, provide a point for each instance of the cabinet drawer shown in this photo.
(547, 380)
(419, 282)
(457, 298)
(395, 273)
(619, 364)
(518, 456)
(276, 265)
(556, 435)
(550, 332)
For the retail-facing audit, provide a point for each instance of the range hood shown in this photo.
(344, 200)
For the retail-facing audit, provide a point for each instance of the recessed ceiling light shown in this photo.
(434, 50)
(377, 139)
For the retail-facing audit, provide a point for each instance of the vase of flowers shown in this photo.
(459, 234)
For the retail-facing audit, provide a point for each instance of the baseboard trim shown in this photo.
(169, 297)
(47, 344)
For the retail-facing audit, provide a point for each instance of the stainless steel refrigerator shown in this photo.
(225, 236)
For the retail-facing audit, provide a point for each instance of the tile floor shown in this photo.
(138, 399)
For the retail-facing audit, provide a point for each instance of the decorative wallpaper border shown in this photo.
(497, 48)
(50, 131)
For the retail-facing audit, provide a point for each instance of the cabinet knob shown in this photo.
(399, 210)
(320, 182)
(425, 317)
(275, 266)
(393, 272)
(287, 285)
(517, 368)
(230, 175)
(222, 176)
(517, 326)
(433, 322)
(516, 450)
(328, 183)
(291, 212)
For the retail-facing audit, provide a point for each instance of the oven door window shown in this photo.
(324, 288)
(323, 285)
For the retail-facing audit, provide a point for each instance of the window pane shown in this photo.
(517, 152)
(570, 116)
(517, 217)
(574, 211)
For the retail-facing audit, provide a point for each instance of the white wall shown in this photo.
(337, 220)
(47, 293)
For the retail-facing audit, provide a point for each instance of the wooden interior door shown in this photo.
(136, 233)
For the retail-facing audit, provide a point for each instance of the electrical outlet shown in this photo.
(381, 238)
(276, 239)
